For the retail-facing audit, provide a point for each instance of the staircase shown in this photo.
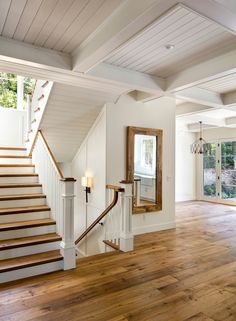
(29, 244)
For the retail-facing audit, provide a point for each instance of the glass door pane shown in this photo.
(228, 170)
(209, 170)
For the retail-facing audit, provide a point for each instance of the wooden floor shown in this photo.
(187, 274)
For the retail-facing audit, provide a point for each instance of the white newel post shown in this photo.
(126, 235)
(67, 246)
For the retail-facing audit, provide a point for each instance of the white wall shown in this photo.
(159, 114)
(12, 127)
(91, 160)
(185, 167)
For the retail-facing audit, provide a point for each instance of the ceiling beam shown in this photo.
(195, 126)
(17, 51)
(200, 96)
(132, 79)
(210, 69)
(40, 63)
(189, 108)
(230, 121)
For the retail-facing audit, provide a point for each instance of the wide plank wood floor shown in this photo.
(187, 274)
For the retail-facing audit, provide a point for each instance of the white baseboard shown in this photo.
(153, 228)
(185, 198)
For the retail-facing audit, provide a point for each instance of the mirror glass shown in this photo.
(144, 170)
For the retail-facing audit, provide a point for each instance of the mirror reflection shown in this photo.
(144, 170)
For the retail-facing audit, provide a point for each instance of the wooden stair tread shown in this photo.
(21, 197)
(12, 148)
(29, 241)
(15, 156)
(26, 224)
(17, 165)
(24, 209)
(19, 185)
(29, 261)
(18, 175)
(111, 244)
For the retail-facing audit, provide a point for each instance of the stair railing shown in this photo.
(35, 109)
(60, 195)
(123, 220)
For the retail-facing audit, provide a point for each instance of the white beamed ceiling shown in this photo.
(221, 85)
(69, 115)
(56, 24)
(195, 39)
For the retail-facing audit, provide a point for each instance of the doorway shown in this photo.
(219, 172)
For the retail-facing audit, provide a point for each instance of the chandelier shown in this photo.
(200, 146)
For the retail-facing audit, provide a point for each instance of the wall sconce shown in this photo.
(87, 182)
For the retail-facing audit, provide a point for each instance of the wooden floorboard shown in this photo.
(187, 274)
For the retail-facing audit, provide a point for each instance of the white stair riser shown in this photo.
(23, 202)
(15, 160)
(17, 170)
(29, 250)
(31, 271)
(7, 235)
(4, 152)
(24, 217)
(21, 190)
(19, 180)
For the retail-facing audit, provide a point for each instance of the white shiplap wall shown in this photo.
(69, 115)
(56, 24)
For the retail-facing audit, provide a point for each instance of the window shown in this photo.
(219, 171)
(11, 86)
(209, 171)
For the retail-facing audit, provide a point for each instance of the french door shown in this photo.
(219, 172)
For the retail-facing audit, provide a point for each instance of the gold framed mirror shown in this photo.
(144, 168)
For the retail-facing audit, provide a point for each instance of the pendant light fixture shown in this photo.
(200, 146)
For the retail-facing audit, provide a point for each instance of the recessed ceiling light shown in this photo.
(169, 46)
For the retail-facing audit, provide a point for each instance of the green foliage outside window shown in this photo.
(8, 90)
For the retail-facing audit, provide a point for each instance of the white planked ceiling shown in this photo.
(221, 85)
(56, 24)
(69, 115)
(195, 39)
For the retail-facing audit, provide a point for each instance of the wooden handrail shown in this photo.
(117, 190)
(54, 162)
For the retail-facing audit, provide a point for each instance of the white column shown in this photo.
(67, 211)
(126, 235)
(20, 92)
